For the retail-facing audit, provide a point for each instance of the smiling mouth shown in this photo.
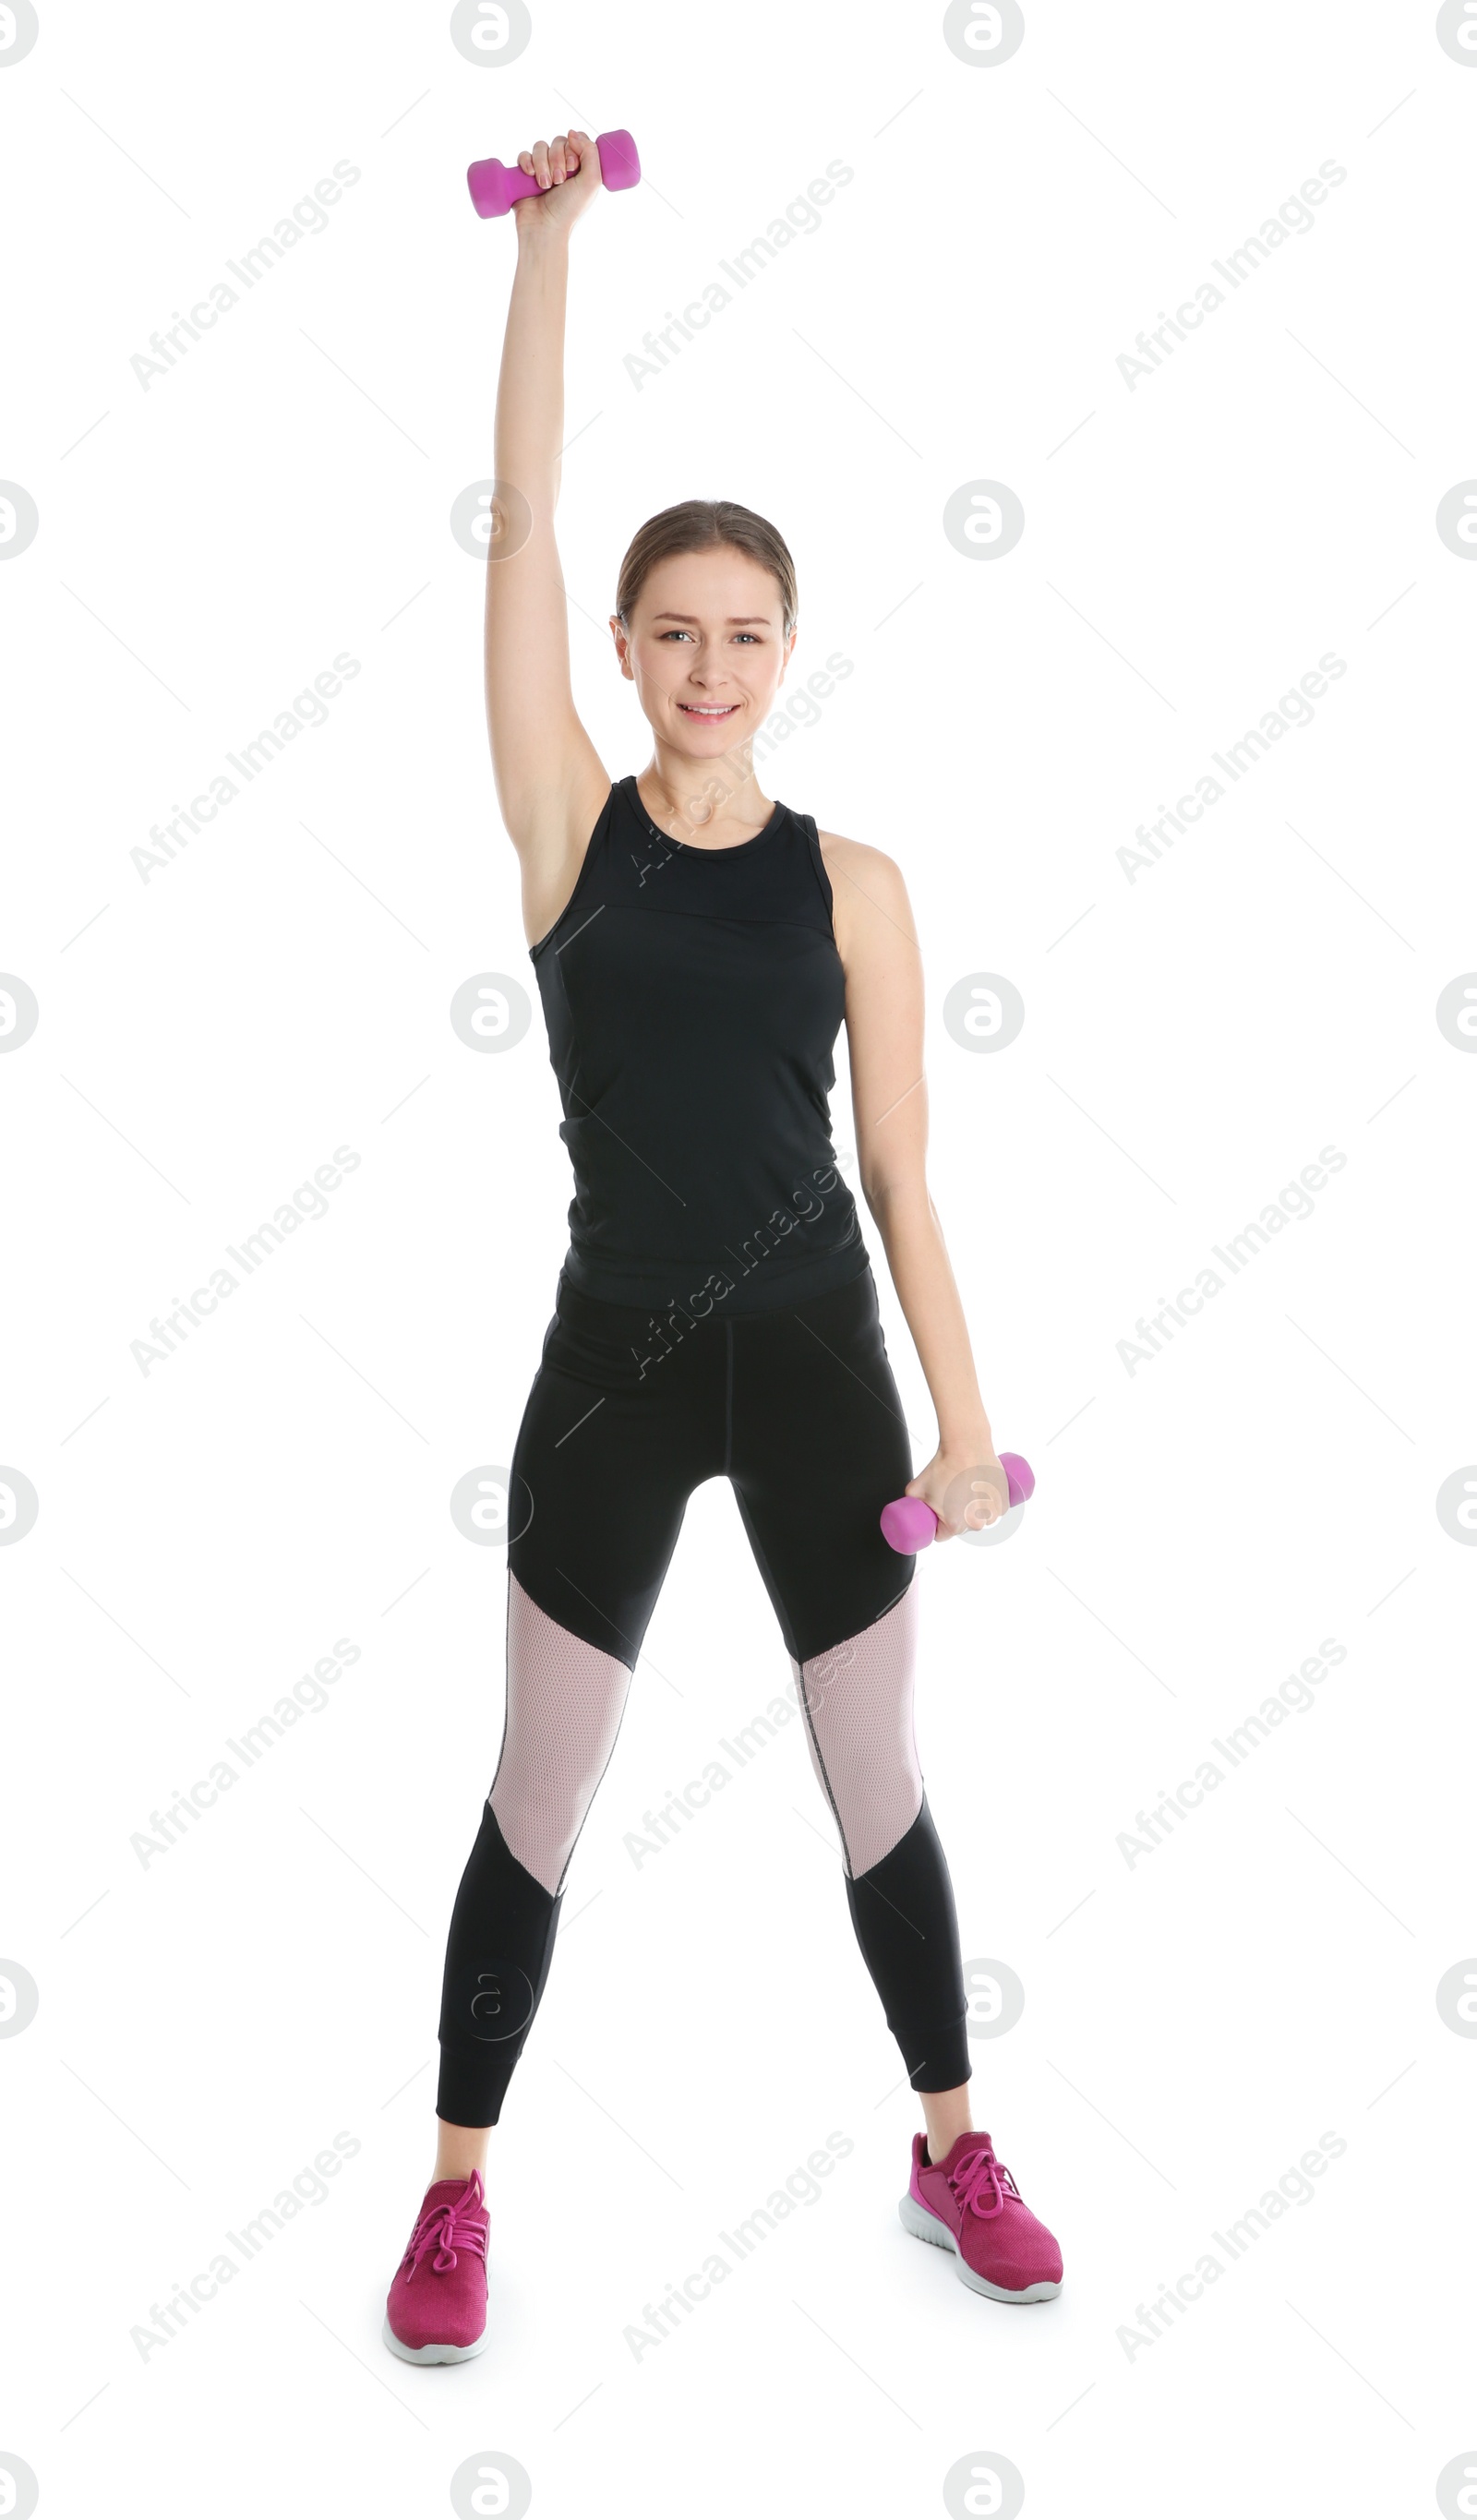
(690, 708)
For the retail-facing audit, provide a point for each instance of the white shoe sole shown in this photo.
(433, 2353)
(925, 2225)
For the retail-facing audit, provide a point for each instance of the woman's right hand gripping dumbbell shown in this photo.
(566, 170)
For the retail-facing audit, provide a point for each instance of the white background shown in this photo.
(207, 1037)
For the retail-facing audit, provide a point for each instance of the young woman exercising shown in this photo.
(697, 948)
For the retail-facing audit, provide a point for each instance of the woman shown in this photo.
(697, 947)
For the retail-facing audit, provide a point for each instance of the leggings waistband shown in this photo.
(598, 1319)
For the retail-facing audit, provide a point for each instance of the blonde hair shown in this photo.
(706, 524)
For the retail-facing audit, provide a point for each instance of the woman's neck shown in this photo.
(707, 804)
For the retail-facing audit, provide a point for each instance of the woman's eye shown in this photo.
(750, 638)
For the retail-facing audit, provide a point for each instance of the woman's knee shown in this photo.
(565, 1699)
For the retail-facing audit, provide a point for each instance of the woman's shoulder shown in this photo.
(867, 887)
(846, 847)
(858, 862)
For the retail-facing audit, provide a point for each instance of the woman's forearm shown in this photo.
(913, 1241)
(525, 618)
(529, 427)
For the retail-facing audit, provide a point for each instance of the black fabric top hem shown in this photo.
(765, 1287)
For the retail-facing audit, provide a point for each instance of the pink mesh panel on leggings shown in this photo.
(858, 1696)
(564, 1703)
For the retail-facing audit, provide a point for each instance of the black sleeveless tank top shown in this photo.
(693, 999)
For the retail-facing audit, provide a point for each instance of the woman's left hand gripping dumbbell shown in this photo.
(968, 1490)
(955, 1494)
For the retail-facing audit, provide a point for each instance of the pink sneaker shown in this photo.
(969, 2203)
(437, 2311)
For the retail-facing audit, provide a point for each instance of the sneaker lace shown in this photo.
(981, 2183)
(445, 2228)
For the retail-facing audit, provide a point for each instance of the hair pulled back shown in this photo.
(706, 524)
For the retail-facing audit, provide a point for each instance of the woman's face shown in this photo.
(706, 650)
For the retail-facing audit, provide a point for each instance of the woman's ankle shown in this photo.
(946, 2116)
(459, 2150)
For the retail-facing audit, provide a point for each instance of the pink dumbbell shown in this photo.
(910, 1523)
(494, 187)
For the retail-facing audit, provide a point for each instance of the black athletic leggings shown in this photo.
(798, 1409)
